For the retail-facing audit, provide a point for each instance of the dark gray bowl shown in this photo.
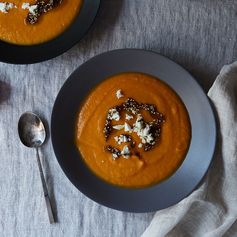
(159, 196)
(18, 54)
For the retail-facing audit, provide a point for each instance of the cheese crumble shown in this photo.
(32, 8)
(6, 6)
(119, 94)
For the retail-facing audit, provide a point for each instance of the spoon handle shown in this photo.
(46, 194)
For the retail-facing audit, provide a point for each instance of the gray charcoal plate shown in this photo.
(200, 152)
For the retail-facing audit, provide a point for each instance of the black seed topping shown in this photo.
(113, 150)
(132, 106)
(43, 6)
(148, 147)
(133, 143)
(107, 128)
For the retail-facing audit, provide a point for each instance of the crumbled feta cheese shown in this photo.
(25, 5)
(137, 126)
(125, 139)
(127, 127)
(118, 127)
(149, 138)
(121, 138)
(119, 94)
(114, 114)
(143, 131)
(128, 117)
(32, 8)
(6, 6)
(114, 156)
(140, 145)
(125, 152)
(133, 111)
(145, 135)
(116, 138)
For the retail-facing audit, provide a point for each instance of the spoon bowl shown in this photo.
(31, 130)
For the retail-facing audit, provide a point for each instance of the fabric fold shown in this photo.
(211, 210)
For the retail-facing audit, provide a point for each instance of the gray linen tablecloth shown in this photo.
(198, 34)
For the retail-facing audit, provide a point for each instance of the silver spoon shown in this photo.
(32, 134)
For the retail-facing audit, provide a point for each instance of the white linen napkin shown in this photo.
(211, 210)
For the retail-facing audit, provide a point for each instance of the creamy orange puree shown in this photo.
(150, 167)
(13, 28)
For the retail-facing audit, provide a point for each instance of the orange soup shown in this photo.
(133, 130)
(26, 22)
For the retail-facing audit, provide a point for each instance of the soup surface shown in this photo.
(133, 130)
(14, 27)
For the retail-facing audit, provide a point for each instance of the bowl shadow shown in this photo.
(107, 16)
(5, 91)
